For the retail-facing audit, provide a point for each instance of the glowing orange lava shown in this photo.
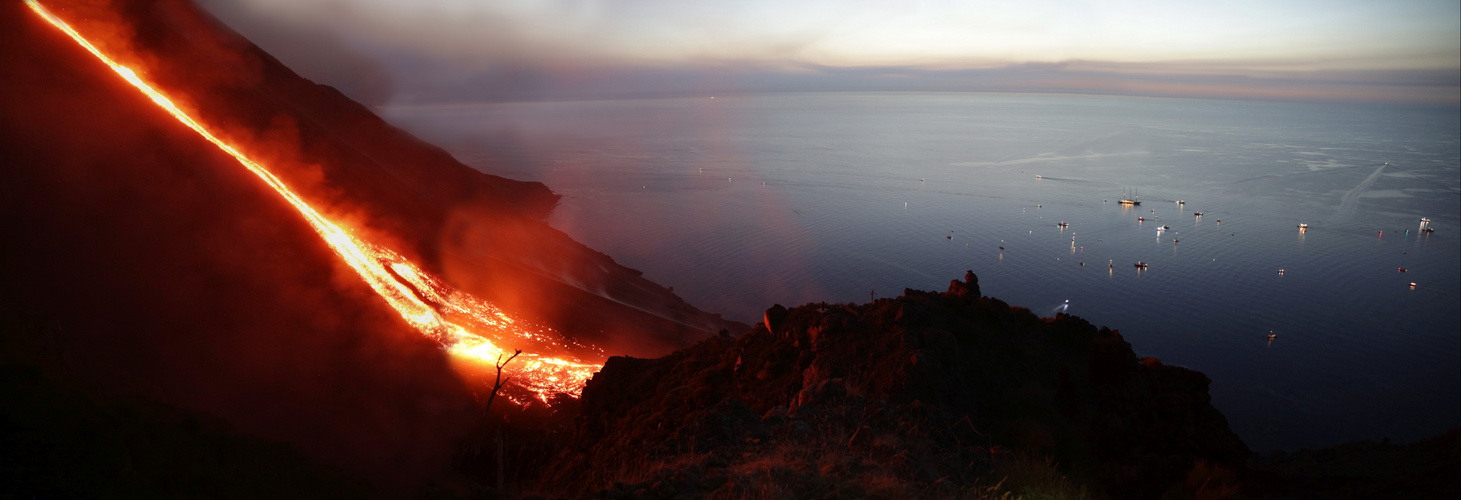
(462, 324)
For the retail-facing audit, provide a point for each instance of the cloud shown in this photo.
(1182, 79)
(442, 51)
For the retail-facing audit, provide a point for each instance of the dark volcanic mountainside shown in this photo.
(158, 266)
(161, 267)
(924, 394)
(485, 234)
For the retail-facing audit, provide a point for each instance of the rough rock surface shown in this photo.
(926, 393)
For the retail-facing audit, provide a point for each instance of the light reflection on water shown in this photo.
(741, 202)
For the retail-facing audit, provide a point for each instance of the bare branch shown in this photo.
(497, 383)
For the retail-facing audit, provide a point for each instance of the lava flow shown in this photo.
(464, 325)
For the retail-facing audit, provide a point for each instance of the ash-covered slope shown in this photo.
(928, 394)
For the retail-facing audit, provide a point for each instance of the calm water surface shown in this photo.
(740, 202)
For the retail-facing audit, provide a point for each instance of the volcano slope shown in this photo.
(158, 267)
(925, 395)
(484, 234)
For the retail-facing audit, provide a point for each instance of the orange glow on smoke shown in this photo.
(462, 324)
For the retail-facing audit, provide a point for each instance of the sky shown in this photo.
(383, 51)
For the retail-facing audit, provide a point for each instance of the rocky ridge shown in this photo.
(930, 393)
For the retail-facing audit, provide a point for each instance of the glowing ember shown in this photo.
(462, 324)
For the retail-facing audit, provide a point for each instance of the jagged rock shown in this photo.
(967, 288)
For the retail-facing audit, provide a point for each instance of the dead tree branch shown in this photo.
(499, 381)
(497, 384)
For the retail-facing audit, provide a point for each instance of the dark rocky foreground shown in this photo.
(58, 440)
(941, 395)
(934, 394)
(927, 395)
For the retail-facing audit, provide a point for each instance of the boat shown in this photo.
(1280, 272)
(1133, 198)
(1402, 270)
(1272, 335)
(1198, 214)
(1140, 265)
(1174, 240)
(1303, 226)
(1062, 224)
(1140, 219)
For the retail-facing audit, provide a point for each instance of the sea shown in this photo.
(1346, 330)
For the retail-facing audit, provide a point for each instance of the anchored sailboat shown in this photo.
(1132, 198)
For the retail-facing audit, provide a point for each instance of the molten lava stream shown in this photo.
(465, 326)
